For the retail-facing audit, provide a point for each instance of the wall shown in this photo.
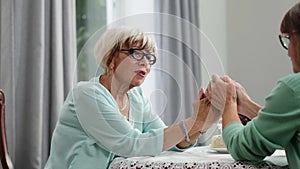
(118, 9)
(213, 38)
(255, 56)
(245, 34)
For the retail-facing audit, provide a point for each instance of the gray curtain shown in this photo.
(179, 75)
(37, 69)
(179, 70)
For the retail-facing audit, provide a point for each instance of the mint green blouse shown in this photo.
(91, 131)
(276, 126)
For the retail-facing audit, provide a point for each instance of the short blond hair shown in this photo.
(115, 38)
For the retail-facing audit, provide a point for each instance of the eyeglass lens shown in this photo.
(284, 41)
(138, 54)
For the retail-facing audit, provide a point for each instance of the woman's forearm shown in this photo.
(174, 135)
(230, 114)
(187, 131)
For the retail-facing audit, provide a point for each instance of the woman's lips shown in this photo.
(141, 73)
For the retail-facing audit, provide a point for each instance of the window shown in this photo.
(90, 16)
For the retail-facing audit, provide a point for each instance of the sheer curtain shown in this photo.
(179, 73)
(180, 67)
(37, 69)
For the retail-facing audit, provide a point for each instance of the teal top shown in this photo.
(91, 131)
(276, 126)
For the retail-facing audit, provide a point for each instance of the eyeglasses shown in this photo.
(285, 39)
(138, 55)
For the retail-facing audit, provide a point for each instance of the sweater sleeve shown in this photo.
(153, 121)
(100, 118)
(265, 133)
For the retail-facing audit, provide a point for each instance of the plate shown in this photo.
(220, 150)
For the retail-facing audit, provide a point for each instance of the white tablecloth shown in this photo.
(198, 158)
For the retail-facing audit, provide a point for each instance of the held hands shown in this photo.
(242, 98)
(224, 90)
(222, 95)
(245, 106)
(216, 93)
(221, 91)
(203, 114)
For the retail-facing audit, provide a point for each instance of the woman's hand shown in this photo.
(204, 115)
(230, 104)
(223, 97)
(195, 124)
(242, 97)
(245, 105)
(231, 93)
(216, 93)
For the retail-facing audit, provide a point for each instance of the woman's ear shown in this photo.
(110, 68)
(111, 65)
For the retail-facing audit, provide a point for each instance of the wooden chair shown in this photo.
(4, 156)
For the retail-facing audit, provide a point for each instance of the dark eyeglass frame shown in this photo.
(134, 52)
(287, 37)
(282, 41)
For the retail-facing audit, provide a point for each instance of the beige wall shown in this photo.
(213, 38)
(251, 51)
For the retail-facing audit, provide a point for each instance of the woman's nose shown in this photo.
(144, 62)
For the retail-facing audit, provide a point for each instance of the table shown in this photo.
(198, 158)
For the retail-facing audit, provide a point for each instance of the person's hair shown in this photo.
(116, 38)
(291, 20)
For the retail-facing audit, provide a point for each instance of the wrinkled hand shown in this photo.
(204, 115)
(220, 90)
(242, 97)
(216, 93)
(201, 106)
(231, 94)
(245, 105)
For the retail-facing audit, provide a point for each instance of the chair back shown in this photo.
(4, 156)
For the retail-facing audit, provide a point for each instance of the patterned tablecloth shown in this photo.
(198, 158)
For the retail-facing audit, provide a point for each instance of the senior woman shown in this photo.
(275, 125)
(109, 116)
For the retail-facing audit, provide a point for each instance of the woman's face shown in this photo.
(294, 52)
(129, 70)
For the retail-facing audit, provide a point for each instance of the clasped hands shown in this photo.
(209, 106)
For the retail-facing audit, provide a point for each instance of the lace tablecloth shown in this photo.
(198, 158)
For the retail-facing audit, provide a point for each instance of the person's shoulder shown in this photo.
(291, 78)
(83, 85)
(92, 85)
(292, 81)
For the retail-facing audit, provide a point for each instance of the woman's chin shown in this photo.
(136, 83)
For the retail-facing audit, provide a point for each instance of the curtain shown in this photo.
(180, 68)
(179, 72)
(37, 69)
